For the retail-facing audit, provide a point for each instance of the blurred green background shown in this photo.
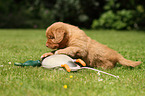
(106, 14)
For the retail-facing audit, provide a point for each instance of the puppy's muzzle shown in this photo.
(52, 46)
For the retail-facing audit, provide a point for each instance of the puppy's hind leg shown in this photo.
(103, 63)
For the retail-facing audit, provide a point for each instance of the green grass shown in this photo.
(22, 45)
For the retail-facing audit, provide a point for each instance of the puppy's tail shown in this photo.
(126, 62)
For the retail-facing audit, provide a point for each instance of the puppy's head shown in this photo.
(56, 37)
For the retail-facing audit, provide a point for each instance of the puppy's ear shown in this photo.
(58, 35)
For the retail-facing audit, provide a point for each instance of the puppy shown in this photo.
(72, 41)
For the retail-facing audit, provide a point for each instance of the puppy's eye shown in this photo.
(50, 37)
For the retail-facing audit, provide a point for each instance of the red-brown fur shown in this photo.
(74, 42)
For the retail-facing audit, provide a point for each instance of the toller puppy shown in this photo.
(70, 40)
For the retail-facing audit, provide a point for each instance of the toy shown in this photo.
(59, 61)
(55, 61)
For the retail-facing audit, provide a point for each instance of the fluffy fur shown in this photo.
(70, 40)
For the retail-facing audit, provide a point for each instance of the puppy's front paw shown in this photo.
(46, 54)
(60, 52)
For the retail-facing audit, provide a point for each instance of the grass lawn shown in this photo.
(22, 45)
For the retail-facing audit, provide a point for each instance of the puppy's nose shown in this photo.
(46, 45)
